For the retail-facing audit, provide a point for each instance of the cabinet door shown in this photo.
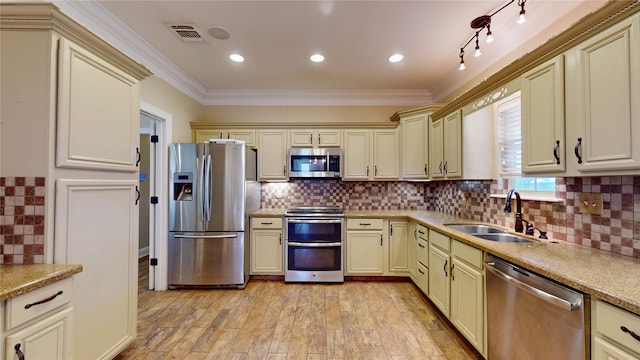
(302, 138)
(266, 252)
(398, 246)
(412, 243)
(248, 136)
(96, 225)
(439, 287)
(604, 350)
(49, 338)
(356, 154)
(467, 302)
(364, 252)
(542, 118)
(415, 147)
(329, 138)
(385, 156)
(272, 156)
(436, 149)
(452, 147)
(608, 100)
(98, 113)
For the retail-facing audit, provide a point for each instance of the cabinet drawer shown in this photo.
(24, 308)
(440, 240)
(422, 278)
(423, 252)
(609, 320)
(422, 231)
(467, 253)
(266, 223)
(364, 224)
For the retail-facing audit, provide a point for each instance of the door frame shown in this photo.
(159, 214)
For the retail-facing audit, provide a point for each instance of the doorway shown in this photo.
(155, 136)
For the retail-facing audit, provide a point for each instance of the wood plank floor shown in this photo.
(274, 320)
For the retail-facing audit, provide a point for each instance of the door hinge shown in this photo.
(154, 200)
(154, 138)
(153, 262)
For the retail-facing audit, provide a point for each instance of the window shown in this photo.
(510, 151)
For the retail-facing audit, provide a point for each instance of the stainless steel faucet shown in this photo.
(507, 208)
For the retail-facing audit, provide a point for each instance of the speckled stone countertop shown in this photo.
(603, 275)
(16, 280)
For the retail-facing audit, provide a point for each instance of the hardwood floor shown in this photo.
(274, 320)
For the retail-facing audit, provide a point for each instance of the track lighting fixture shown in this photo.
(484, 22)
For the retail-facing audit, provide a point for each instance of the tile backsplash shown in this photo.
(616, 230)
(22, 208)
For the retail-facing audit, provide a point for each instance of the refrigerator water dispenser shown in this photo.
(183, 186)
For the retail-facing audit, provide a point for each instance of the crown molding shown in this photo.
(99, 20)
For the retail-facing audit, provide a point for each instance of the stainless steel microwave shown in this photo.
(315, 163)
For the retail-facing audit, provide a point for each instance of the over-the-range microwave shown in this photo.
(315, 163)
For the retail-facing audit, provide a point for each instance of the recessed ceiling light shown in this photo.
(317, 58)
(396, 58)
(236, 58)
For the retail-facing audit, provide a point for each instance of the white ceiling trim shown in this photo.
(99, 20)
(319, 97)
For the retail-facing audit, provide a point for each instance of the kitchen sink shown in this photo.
(502, 238)
(473, 229)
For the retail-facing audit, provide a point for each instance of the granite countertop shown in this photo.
(19, 279)
(604, 275)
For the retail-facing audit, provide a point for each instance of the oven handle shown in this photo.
(334, 244)
(227, 236)
(563, 303)
(315, 221)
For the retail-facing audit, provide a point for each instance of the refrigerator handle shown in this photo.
(227, 236)
(208, 187)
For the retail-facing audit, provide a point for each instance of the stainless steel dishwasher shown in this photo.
(531, 317)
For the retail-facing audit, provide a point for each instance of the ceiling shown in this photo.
(356, 37)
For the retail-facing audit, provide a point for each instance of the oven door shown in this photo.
(317, 230)
(321, 256)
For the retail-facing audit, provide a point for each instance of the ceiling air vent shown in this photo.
(187, 32)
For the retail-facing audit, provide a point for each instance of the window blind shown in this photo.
(510, 138)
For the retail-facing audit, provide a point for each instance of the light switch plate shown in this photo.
(591, 204)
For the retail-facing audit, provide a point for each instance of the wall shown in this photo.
(183, 109)
(616, 230)
(297, 114)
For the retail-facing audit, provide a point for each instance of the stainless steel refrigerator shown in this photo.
(213, 189)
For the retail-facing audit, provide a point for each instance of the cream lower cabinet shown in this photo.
(365, 247)
(41, 331)
(422, 256)
(412, 243)
(609, 341)
(267, 249)
(399, 247)
(456, 286)
(272, 156)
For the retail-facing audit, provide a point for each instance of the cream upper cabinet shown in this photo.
(445, 146)
(603, 102)
(272, 155)
(385, 155)
(415, 146)
(357, 151)
(316, 138)
(248, 136)
(542, 104)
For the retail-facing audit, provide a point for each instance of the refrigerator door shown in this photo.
(185, 190)
(206, 259)
(226, 181)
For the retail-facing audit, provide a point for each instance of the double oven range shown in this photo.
(314, 244)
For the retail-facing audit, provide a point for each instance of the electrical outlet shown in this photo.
(591, 204)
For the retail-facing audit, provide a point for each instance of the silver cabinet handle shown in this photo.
(564, 304)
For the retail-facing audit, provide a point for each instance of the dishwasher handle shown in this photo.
(562, 303)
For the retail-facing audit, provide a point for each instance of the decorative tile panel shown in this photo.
(22, 209)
